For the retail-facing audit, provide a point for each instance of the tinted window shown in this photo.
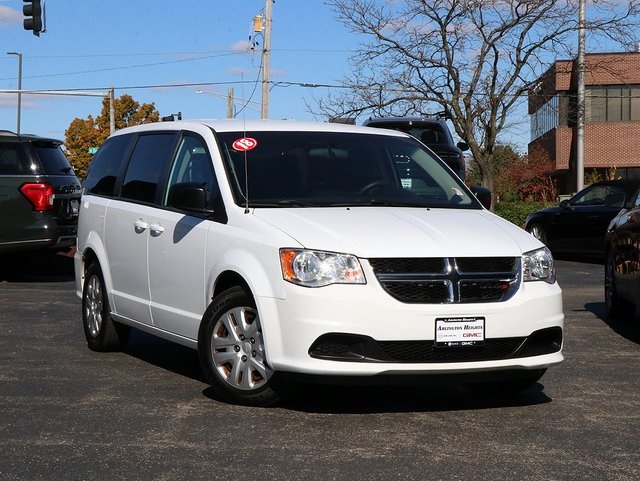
(13, 160)
(427, 133)
(106, 164)
(149, 161)
(329, 168)
(52, 159)
(192, 165)
(596, 194)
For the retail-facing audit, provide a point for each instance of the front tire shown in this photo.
(102, 332)
(232, 351)
(617, 307)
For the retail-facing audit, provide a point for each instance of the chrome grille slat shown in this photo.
(448, 280)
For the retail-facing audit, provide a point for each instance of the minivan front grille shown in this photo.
(448, 280)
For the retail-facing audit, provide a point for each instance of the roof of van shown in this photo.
(240, 125)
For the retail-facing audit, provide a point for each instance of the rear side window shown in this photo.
(149, 161)
(52, 159)
(106, 164)
(13, 160)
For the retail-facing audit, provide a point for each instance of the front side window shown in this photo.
(335, 169)
(192, 165)
(595, 195)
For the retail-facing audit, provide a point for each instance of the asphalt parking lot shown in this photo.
(146, 413)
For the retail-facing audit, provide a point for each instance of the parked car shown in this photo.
(578, 225)
(39, 194)
(622, 266)
(431, 131)
(277, 247)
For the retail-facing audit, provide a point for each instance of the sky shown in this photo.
(159, 51)
(165, 51)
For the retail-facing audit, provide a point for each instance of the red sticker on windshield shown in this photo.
(244, 144)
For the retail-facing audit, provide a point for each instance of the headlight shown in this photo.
(538, 266)
(317, 268)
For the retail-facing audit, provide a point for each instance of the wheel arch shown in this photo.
(94, 251)
(258, 273)
(227, 280)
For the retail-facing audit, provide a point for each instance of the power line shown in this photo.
(127, 67)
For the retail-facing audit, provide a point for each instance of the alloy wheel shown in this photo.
(237, 349)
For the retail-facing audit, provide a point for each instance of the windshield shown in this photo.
(337, 169)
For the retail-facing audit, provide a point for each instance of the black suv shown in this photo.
(431, 131)
(39, 194)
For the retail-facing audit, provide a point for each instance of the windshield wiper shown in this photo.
(282, 203)
(395, 203)
(295, 203)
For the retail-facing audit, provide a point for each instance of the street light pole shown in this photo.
(19, 86)
(580, 120)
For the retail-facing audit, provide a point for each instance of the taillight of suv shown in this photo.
(454, 160)
(39, 194)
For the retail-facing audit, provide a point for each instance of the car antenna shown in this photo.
(246, 163)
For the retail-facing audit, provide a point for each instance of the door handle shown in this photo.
(140, 226)
(156, 230)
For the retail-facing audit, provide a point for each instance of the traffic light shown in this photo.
(33, 13)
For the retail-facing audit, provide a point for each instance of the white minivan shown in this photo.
(280, 247)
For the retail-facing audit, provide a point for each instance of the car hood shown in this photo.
(547, 211)
(401, 232)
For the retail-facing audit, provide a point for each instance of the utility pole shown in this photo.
(266, 57)
(230, 103)
(19, 87)
(112, 111)
(580, 114)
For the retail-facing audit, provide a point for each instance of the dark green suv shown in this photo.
(39, 194)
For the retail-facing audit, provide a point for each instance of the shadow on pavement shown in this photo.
(629, 328)
(37, 267)
(363, 397)
(164, 354)
(417, 398)
(420, 397)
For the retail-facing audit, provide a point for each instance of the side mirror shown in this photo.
(483, 195)
(189, 196)
(615, 200)
(463, 146)
(565, 204)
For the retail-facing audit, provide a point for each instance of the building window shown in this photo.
(612, 104)
(635, 103)
(545, 118)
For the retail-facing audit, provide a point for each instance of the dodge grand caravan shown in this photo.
(277, 247)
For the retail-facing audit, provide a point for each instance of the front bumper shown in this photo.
(360, 330)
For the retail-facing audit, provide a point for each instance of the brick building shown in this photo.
(612, 117)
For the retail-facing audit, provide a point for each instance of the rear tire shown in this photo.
(102, 332)
(232, 351)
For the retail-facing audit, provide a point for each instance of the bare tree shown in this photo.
(474, 59)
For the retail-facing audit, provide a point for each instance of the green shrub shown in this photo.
(517, 211)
